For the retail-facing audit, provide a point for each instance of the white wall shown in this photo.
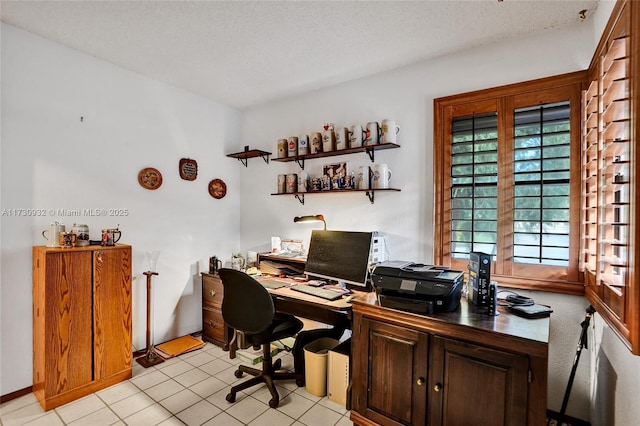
(406, 218)
(53, 160)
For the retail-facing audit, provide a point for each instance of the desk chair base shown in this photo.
(267, 376)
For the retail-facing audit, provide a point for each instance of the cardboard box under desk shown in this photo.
(338, 374)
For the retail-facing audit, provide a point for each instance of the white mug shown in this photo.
(316, 142)
(381, 176)
(328, 140)
(282, 148)
(342, 138)
(281, 184)
(291, 183)
(52, 234)
(303, 182)
(303, 144)
(292, 149)
(362, 178)
(355, 136)
(389, 130)
(372, 132)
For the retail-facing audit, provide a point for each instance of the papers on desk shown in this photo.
(275, 268)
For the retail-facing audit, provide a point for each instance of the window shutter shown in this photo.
(474, 185)
(542, 148)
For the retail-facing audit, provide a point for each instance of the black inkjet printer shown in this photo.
(417, 288)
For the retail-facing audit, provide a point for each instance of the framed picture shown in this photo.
(335, 170)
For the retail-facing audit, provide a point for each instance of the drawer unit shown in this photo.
(214, 329)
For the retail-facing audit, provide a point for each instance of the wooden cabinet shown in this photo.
(81, 321)
(455, 368)
(610, 161)
(214, 329)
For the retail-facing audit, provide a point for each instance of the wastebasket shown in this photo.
(315, 365)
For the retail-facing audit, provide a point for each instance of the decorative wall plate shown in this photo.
(188, 169)
(150, 178)
(217, 188)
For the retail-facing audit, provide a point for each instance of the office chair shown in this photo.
(247, 306)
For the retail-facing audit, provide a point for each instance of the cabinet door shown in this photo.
(112, 311)
(67, 333)
(472, 385)
(390, 383)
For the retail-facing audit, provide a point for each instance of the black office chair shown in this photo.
(247, 306)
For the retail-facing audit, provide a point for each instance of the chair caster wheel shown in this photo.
(277, 365)
(299, 382)
(274, 402)
(238, 373)
(231, 397)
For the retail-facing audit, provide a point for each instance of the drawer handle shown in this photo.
(212, 293)
(437, 387)
(420, 381)
(212, 324)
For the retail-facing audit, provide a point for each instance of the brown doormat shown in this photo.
(180, 345)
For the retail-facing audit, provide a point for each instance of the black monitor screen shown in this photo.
(341, 256)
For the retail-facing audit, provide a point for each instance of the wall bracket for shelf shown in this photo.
(244, 156)
(300, 198)
(371, 196)
(371, 152)
(300, 162)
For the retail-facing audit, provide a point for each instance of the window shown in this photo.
(507, 171)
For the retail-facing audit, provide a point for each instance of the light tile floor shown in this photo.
(186, 390)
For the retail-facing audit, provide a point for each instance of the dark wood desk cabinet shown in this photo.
(214, 329)
(81, 321)
(460, 368)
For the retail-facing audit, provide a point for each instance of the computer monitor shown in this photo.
(341, 256)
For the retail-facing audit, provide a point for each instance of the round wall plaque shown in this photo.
(188, 169)
(150, 178)
(217, 188)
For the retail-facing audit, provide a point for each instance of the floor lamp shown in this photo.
(151, 357)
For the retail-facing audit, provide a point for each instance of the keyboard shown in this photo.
(272, 284)
(316, 291)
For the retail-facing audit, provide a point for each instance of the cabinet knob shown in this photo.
(212, 292)
(437, 387)
(420, 381)
(212, 324)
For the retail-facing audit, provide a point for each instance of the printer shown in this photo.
(417, 288)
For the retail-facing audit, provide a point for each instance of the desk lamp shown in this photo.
(311, 218)
(151, 357)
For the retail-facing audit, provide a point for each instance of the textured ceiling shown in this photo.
(244, 53)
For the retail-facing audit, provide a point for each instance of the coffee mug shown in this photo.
(355, 136)
(389, 130)
(282, 148)
(372, 133)
(215, 264)
(328, 140)
(303, 144)
(292, 149)
(362, 178)
(342, 138)
(316, 143)
(291, 183)
(381, 176)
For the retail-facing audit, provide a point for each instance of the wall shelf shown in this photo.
(370, 150)
(243, 156)
(370, 193)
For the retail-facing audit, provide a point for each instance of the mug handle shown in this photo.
(389, 174)
(45, 237)
(119, 235)
(397, 129)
